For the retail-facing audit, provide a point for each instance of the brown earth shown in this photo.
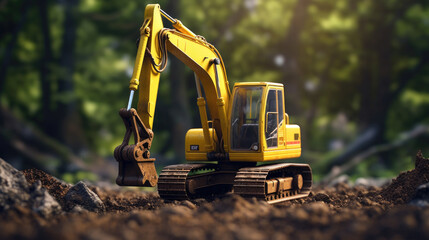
(340, 212)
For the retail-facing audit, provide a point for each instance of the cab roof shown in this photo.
(266, 84)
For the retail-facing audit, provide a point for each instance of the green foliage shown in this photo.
(79, 176)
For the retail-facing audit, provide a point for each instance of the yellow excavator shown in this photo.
(245, 128)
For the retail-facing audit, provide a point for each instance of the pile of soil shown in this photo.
(402, 189)
(338, 212)
(115, 201)
(57, 188)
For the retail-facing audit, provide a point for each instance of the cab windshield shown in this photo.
(245, 118)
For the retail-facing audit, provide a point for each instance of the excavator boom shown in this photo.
(193, 50)
(197, 54)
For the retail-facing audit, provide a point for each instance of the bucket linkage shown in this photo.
(136, 168)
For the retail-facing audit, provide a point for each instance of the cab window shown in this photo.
(271, 119)
(245, 118)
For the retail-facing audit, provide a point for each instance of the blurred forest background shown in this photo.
(356, 76)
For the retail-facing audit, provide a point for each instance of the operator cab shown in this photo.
(259, 126)
(259, 129)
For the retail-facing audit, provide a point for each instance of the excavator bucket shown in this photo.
(136, 168)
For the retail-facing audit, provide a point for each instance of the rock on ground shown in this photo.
(81, 195)
(16, 192)
(421, 197)
(42, 202)
(14, 188)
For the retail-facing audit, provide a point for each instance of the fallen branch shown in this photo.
(34, 145)
(403, 138)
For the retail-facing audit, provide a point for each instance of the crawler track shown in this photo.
(251, 182)
(187, 181)
(172, 182)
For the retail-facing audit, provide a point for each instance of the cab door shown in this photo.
(244, 128)
(274, 119)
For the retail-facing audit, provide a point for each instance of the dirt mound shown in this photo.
(57, 188)
(344, 196)
(115, 201)
(402, 188)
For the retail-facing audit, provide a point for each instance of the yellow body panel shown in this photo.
(293, 136)
(268, 155)
(196, 149)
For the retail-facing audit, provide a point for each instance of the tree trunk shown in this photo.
(290, 51)
(69, 126)
(45, 71)
(7, 56)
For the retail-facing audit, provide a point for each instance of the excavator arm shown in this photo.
(136, 168)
